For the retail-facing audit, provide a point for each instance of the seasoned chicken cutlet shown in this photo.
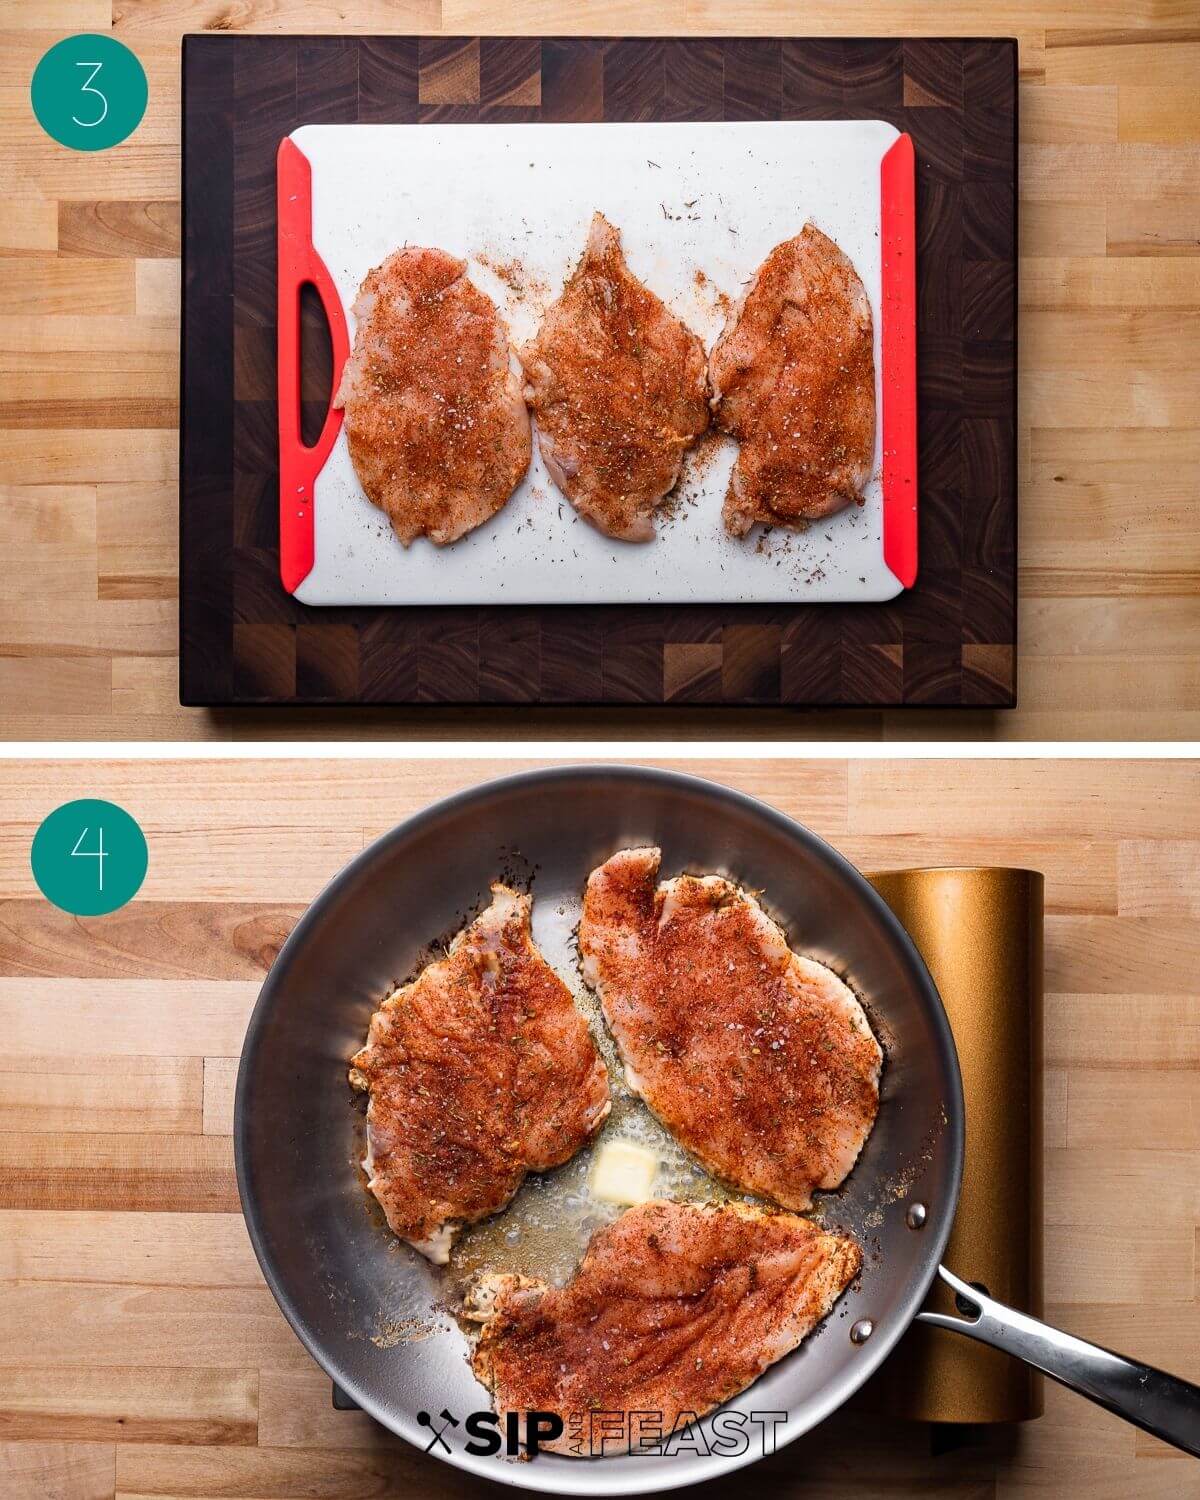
(618, 387)
(793, 379)
(673, 1310)
(438, 431)
(479, 1071)
(761, 1063)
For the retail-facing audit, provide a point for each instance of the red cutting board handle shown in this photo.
(898, 339)
(299, 264)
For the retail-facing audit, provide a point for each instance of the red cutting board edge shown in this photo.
(300, 264)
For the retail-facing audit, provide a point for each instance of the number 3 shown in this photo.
(88, 89)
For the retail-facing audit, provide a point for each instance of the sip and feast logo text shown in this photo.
(602, 1434)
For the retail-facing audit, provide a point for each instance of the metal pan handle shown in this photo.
(1159, 1403)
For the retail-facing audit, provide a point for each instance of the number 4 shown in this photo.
(88, 89)
(99, 854)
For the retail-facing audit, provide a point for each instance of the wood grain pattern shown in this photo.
(141, 1354)
(1109, 546)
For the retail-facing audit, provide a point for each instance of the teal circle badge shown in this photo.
(89, 92)
(89, 857)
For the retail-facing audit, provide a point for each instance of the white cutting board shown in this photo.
(526, 194)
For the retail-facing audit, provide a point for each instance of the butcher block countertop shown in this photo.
(1108, 435)
(142, 1355)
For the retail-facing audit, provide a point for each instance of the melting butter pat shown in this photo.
(624, 1172)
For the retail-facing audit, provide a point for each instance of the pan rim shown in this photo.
(525, 1476)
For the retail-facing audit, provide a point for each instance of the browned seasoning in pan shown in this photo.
(479, 1071)
(760, 1062)
(675, 1309)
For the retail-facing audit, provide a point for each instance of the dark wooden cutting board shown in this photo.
(951, 640)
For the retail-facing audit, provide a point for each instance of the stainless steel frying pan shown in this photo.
(354, 1295)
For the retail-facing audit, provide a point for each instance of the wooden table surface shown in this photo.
(140, 1353)
(1109, 437)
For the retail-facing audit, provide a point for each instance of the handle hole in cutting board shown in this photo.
(316, 365)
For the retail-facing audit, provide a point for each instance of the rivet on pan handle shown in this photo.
(898, 359)
(298, 264)
(1158, 1403)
